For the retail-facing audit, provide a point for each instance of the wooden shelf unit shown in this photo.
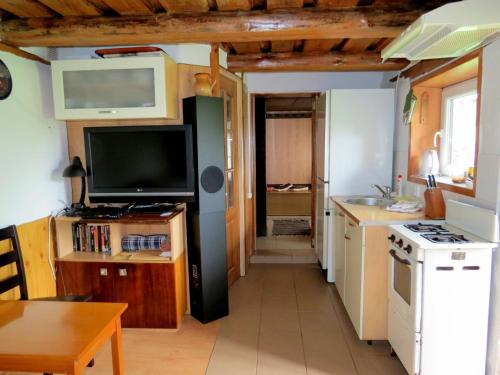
(154, 287)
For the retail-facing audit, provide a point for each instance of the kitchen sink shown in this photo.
(370, 201)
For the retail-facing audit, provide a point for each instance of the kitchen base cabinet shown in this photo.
(339, 230)
(354, 273)
(361, 274)
(155, 292)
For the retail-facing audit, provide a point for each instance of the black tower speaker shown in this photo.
(206, 217)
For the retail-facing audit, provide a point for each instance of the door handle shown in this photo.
(400, 260)
(122, 272)
(103, 271)
(347, 237)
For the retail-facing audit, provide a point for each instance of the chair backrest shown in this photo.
(13, 256)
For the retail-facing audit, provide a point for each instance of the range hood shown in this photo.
(448, 31)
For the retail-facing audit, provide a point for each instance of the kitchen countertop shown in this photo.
(375, 215)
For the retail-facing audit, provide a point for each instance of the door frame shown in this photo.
(250, 170)
(239, 100)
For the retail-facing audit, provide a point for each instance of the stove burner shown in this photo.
(445, 238)
(425, 228)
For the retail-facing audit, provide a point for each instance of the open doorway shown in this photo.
(284, 146)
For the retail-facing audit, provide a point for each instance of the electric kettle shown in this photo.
(429, 163)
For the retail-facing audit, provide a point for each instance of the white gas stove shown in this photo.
(439, 290)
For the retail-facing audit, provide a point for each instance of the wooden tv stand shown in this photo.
(154, 287)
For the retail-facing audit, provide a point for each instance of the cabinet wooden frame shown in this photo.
(456, 71)
(155, 289)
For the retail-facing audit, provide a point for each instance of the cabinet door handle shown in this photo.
(104, 112)
(122, 272)
(103, 271)
(347, 237)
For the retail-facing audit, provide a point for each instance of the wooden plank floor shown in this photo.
(284, 320)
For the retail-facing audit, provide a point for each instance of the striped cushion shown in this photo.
(135, 242)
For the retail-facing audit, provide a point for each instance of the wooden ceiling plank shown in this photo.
(234, 4)
(72, 7)
(382, 43)
(179, 6)
(336, 3)
(299, 62)
(321, 45)
(244, 48)
(357, 45)
(209, 27)
(391, 2)
(26, 8)
(282, 45)
(129, 7)
(283, 4)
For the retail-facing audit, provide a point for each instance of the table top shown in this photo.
(59, 330)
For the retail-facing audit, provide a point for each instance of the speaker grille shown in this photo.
(212, 179)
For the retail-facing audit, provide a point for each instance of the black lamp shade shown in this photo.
(75, 169)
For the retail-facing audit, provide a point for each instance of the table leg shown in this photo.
(75, 370)
(116, 349)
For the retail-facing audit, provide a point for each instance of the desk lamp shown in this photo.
(75, 169)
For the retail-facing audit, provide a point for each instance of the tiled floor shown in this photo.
(283, 249)
(286, 320)
(185, 351)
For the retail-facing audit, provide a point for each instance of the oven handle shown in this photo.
(401, 260)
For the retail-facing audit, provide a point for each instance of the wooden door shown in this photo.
(229, 93)
(149, 290)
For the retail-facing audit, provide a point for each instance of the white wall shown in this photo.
(315, 81)
(194, 54)
(33, 146)
(488, 173)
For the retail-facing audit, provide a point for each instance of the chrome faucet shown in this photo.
(386, 191)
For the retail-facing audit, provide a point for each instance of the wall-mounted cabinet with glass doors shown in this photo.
(115, 88)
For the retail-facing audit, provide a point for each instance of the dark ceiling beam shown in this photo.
(209, 27)
(312, 62)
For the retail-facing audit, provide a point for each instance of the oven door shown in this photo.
(405, 292)
(405, 287)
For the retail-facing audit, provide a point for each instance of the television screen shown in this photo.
(140, 163)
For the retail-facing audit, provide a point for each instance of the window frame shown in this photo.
(442, 77)
(450, 93)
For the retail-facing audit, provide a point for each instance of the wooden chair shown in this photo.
(19, 280)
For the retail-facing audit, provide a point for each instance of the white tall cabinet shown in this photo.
(355, 131)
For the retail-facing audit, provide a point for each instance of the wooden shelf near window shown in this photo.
(455, 188)
(426, 120)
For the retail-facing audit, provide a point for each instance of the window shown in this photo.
(458, 132)
(444, 125)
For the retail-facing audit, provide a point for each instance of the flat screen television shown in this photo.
(140, 164)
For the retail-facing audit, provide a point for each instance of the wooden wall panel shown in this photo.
(33, 237)
(76, 146)
(425, 122)
(288, 151)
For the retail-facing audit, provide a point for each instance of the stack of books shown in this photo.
(91, 237)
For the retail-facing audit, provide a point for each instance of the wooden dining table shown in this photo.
(58, 337)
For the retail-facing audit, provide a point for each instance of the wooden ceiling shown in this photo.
(259, 35)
